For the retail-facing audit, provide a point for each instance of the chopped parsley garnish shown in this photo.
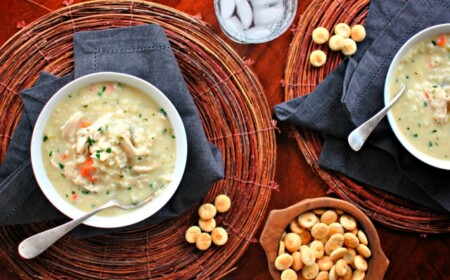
(433, 42)
(83, 191)
(108, 150)
(90, 141)
(45, 138)
(163, 111)
(85, 106)
(61, 166)
(100, 93)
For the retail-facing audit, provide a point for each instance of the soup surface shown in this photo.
(108, 140)
(422, 113)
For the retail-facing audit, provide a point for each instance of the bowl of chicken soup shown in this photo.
(109, 136)
(420, 118)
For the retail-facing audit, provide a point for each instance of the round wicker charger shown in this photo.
(236, 118)
(301, 78)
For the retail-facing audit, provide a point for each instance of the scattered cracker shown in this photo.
(317, 59)
(320, 35)
(349, 47)
(342, 29)
(207, 211)
(219, 236)
(207, 225)
(192, 234)
(203, 241)
(336, 42)
(222, 203)
(358, 33)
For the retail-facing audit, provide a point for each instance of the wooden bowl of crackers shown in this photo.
(322, 238)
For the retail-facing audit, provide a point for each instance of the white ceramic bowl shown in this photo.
(277, 29)
(130, 216)
(426, 33)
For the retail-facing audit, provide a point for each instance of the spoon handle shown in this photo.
(358, 137)
(38, 243)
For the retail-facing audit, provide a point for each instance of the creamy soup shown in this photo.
(422, 113)
(108, 140)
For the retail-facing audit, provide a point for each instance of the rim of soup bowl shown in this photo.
(130, 216)
(426, 33)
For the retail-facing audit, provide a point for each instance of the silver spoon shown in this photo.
(38, 243)
(358, 137)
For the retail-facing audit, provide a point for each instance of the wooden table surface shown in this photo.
(411, 256)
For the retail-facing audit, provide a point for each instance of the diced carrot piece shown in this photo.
(74, 196)
(85, 124)
(87, 168)
(89, 161)
(441, 41)
(91, 179)
(64, 156)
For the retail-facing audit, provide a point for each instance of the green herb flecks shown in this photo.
(61, 166)
(163, 112)
(90, 142)
(100, 93)
(45, 138)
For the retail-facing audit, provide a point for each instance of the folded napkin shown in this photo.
(353, 93)
(142, 51)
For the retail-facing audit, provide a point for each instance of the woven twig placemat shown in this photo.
(301, 78)
(235, 115)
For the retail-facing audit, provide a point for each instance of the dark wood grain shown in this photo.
(411, 256)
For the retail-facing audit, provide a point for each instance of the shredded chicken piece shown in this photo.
(439, 103)
(70, 128)
(128, 146)
(142, 168)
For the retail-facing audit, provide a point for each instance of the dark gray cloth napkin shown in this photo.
(353, 93)
(142, 51)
